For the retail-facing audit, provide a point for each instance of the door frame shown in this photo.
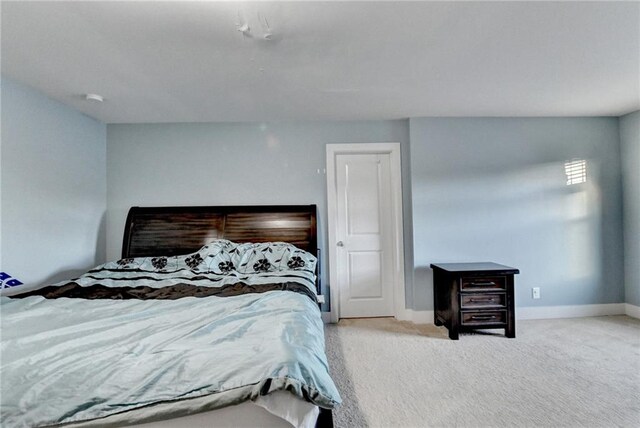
(393, 150)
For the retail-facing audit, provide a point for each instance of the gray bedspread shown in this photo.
(68, 360)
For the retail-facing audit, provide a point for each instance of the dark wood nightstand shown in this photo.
(468, 296)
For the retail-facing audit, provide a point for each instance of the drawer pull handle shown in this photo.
(483, 284)
(489, 300)
(482, 317)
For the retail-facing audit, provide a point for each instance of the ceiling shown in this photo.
(188, 62)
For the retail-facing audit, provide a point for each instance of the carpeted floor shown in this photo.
(582, 372)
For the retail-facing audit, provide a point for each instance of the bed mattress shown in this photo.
(278, 410)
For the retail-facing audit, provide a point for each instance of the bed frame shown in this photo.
(169, 231)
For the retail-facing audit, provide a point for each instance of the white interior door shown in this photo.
(366, 258)
(364, 228)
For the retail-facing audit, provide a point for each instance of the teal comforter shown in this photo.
(68, 360)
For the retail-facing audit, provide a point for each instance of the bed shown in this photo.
(210, 318)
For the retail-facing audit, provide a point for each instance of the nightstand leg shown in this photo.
(453, 333)
(510, 331)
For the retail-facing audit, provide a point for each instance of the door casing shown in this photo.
(393, 149)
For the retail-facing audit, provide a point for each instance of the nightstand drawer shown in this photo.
(484, 317)
(470, 283)
(483, 300)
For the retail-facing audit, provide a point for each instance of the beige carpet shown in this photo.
(582, 372)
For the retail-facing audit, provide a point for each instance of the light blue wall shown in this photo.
(224, 164)
(494, 189)
(630, 147)
(473, 189)
(53, 187)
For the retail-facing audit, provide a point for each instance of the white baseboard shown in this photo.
(632, 310)
(533, 312)
(574, 311)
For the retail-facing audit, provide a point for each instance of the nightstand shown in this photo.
(469, 296)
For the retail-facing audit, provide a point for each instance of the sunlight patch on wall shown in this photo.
(576, 171)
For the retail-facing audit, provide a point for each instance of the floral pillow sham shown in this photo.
(224, 257)
(274, 257)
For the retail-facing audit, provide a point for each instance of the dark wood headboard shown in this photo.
(169, 231)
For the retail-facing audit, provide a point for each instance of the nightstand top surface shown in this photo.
(474, 267)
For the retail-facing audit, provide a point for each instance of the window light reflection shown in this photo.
(576, 171)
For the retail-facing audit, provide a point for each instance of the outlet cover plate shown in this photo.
(535, 292)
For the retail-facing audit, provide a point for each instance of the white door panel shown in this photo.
(361, 182)
(365, 275)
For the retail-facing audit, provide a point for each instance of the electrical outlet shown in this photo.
(535, 292)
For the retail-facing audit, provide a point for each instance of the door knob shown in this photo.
(340, 244)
